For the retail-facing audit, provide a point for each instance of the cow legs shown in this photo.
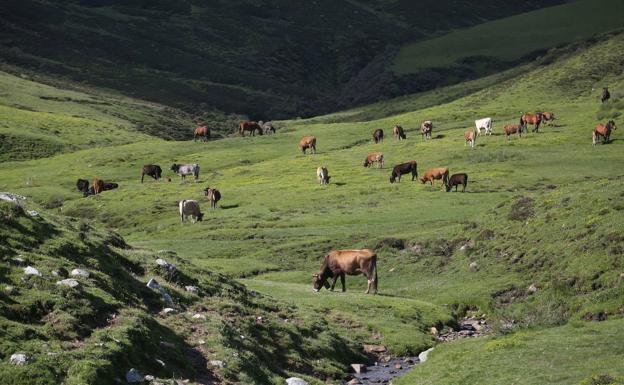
(342, 282)
(333, 284)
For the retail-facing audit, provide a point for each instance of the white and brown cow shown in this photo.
(190, 209)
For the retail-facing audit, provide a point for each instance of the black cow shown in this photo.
(404, 168)
(152, 170)
(82, 185)
(456, 180)
(378, 135)
(605, 95)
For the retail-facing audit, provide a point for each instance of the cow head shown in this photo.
(318, 282)
(327, 179)
(392, 178)
(175, 167)
(366, 163)
(448, 187)
(200, 217)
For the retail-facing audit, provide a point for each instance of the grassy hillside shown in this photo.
(542, 210)
(268, 59)
(490, 46)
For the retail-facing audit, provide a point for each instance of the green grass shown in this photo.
(511, 38)
(543, 210)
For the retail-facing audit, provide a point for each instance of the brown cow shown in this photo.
(548, 116)
(352, 262)
(436, 173)
(456, 180)
(397, 132)
(512, 129)
(534, 119)
(604, 131)
(203, 132)
(404, 168)
(246, 125)
(98, 186)
(213, 195)
(374, 157)
(378, 135)
(308, 142)
(470, 137)
(426, 128)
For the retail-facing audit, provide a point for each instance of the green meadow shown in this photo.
(542, 210)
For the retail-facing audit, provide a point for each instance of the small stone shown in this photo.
(374, 348)
(165, 265)
(133, 375)
(161, 362)
(433, 331)
(358, 368)
(32, 213)
(29, 270)
(398, 366)
(199, 316)
(532, 288)
(295, 381)
(80, 273)
(149, 378)
(422, 357)
(167, 344)
(18, 359)
(217, 363)
(70, 282)
(391, 270)
(473, 266)
(9, 290)
(354, 381)
(153, 284)
(192, 289)
(168, 310)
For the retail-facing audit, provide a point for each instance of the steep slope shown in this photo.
(264, 58)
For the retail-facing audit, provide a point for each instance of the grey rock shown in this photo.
(149, 378)
(133, 375)
(296, 381)
(473, 266)
(69, 282)
(10, 197)
(153, 284)
(532, 288)
(9, 290)
(168, 310)
(18, 359)
(161, 362)
(359, 368)
(199, 316)
(424, 355)
(192, 289)
(165, 265)
(29, 270)
(217, 363)
(33, 213)
(80, 273)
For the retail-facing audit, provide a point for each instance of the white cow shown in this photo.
(484, 124)
(190, 208)
(322, 175)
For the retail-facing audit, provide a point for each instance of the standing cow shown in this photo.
(426, 128)
(436, 173)
(456, 180)
(251, 126)
(186, 169)
(322, 175)
(404, 168)
(605, 95)
(308, 142)
(213, 195)
(152, 170)
(203, 132)
(469, 138)
(484, 124)
(337, 263)
(190, 208)
(511, 129)
(398, 132)
(378, 135)
(374, 157)
(98, 186)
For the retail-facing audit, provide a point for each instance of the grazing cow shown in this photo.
(534, 119)
(426, 128)
(152, 170)
(308, 142)
(378, 135)
(512, 129)
(190, 208)
(186, 169)
(605, 95)
(267, 127)
(203, 132)
(213, 195)
(548, 116)
(484, 124)
(470, 137)
(337, 263)
(98, 186)
(436, 173)
(322, 175)
(251, 126)
(456, 180)
(374, 157)
(404, 168)
(398, 132)
(604, 131)
(82, 185)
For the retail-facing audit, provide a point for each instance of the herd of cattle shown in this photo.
(351, 262)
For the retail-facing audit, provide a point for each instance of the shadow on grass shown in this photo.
(227, 207)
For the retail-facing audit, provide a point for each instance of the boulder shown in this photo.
(133, 375)
(80, 273)
(18, 359)
(69, 282)
(165, 265)
(10, 197)
(29, 270)
(296, 381)
(217, 363)
(192, 289)
(358, 368)
(532, 289)
(374, 349)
